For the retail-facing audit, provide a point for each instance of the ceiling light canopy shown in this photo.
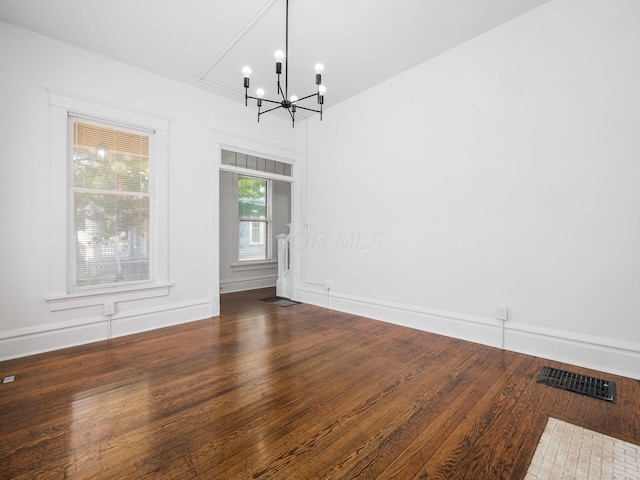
(290, 104)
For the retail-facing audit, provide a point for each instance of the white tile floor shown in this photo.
(566, 451)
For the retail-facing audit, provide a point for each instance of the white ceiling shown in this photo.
(205, 43)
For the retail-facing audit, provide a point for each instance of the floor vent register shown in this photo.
(573, 382)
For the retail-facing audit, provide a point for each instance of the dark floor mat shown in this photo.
(280, 301)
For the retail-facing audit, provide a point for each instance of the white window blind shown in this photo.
(110, 203)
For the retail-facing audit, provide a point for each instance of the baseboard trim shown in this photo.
(231, 286)
(603, 354)
(45, 338)
(465, 327)
(152, 319)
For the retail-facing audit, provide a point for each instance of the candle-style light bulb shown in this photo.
(321, 90)
(246, 71)
(319, 70)
(279, 57)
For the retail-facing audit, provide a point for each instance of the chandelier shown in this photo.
(290, 104)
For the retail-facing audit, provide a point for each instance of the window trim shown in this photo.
(61, 106)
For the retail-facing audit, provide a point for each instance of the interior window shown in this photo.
(254, 219)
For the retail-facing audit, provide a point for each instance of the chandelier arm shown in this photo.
(308, 109)
(308, 96)
(266, 100)
(271, 109)
(282, 94)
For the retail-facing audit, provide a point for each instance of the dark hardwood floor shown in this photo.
(289, 393)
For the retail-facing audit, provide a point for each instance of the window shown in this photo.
(254, 219)
(67, 289)
(110, 204)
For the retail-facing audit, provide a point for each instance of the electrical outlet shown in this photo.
(109, 308)
(502, 312)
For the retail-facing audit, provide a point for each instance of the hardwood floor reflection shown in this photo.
(289, 393)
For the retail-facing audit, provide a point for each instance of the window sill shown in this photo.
(99, 297)
(257, 265)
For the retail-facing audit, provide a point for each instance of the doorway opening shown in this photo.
(255, 215)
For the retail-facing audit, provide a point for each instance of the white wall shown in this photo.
(235, 277)
(31, 66)
(504, 172)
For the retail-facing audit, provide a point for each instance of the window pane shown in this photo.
(248, 249)
(108, 159)
(111, 238)
(109, 206)
(252, 198)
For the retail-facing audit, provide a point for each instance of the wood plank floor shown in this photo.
(287, 393)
